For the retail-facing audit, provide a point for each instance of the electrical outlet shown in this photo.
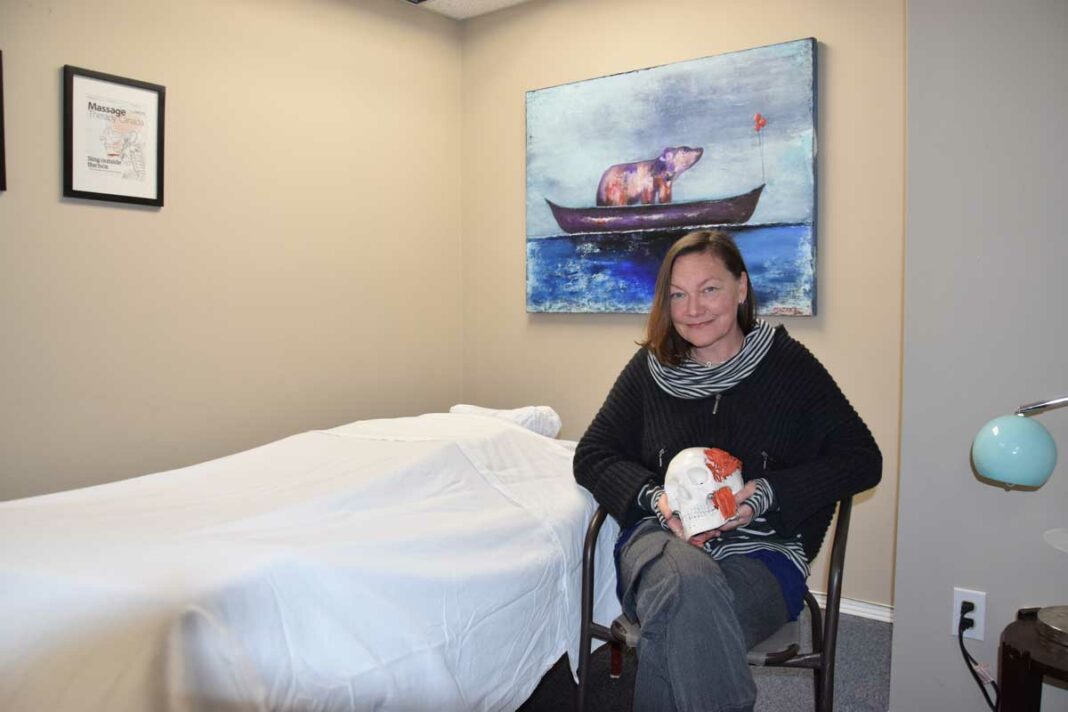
(978, 599)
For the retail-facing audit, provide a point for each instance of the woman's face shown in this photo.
(704, 299)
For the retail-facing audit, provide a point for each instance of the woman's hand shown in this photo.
(742, 516)
(699, 540)
(672, 519)
(744, 513)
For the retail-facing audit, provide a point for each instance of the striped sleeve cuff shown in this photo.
(648, 498)
(763, 500)
(648, 495)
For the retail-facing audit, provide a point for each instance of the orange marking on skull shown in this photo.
(723, 499)
(721, 463)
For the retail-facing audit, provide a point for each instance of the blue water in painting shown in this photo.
(616, 272)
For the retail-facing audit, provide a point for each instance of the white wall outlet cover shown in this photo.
(960, 595)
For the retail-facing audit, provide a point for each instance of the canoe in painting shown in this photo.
(734, 210)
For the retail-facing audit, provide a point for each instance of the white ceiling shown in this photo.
(463, 9)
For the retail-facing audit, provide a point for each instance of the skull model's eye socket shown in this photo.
(697, 475)
(685, 495)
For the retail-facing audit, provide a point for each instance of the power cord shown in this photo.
(972, 664)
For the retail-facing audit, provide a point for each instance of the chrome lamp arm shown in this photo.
(1041, 405)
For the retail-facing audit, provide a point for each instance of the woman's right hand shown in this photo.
(675, 524)
(672, 519)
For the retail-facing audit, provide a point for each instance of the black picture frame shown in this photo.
(113, 129)
(3, 154)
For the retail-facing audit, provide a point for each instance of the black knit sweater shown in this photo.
(788, 422)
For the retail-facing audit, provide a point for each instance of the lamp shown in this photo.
(1019, 452)
(1016, 450)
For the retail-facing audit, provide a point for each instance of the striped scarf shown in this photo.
(692, 380)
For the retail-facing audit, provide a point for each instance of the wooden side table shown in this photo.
(1024, 658)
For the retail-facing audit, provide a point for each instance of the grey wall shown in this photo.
(985, 294)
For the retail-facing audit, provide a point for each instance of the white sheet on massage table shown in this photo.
(428, 563)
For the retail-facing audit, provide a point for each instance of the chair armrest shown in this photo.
(837, 564)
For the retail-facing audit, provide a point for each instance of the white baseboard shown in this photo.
(862, 609)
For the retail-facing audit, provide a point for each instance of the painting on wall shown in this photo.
(619, 167)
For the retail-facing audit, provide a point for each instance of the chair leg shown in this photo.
(615, 670)
(825, 683)
(583, 667)
(586, 629)
(580, 691)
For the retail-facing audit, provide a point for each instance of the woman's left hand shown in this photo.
(744, 513)
(742, 516)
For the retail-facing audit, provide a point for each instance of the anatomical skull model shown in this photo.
(700, 484)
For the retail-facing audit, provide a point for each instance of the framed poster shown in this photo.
(619, 167)
(3, 160)
(112, 138)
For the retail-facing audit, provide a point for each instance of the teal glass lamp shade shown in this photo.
(1016, 450)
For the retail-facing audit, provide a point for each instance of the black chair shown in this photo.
(783, 649)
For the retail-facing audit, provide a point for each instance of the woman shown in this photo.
(709, 374)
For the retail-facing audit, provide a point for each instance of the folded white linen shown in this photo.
(540, 418)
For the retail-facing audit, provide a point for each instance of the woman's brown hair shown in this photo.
(660, 335)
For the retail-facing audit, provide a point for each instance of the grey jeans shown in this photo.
(699, 617)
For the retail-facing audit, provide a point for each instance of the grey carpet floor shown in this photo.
(862, 678)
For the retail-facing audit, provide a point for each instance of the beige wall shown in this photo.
(984, 329)
(569, 361)
(304, 271)
(308, 268)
